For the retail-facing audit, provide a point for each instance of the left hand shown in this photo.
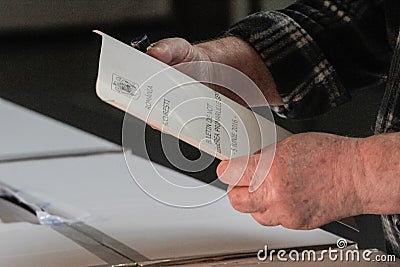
(315, 178)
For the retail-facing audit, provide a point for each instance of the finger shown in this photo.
(265, 218)
(237, 171)
(244, 201)
(266, 156)
(172, 51)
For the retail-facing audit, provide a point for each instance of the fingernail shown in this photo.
(160, 51)
(158, 45)
(151, 45)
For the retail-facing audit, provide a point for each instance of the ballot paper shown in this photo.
(175, 103)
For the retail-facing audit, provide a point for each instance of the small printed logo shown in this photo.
(341, 243)
(125, 87)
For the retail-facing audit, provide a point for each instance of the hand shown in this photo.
(173, 51)
(231, 51)
(315, 178)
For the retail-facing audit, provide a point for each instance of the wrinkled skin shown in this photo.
(309, 183)
(229, 51)
(315, 178)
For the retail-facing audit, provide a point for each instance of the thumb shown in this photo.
(172, 51)
(238, 171)
(248, 171)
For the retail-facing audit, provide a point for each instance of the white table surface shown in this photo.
(100, 191)
(24, 244)
(24, 133)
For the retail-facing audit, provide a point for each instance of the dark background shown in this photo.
(49, 59)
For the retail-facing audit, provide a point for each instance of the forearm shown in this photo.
(235, 52)
(379, 179)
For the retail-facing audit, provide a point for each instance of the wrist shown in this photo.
(380, 176)
(348, 173)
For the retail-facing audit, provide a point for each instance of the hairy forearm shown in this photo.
(380, 176)
(235, 52)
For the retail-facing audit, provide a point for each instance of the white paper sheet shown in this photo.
(170, 100)
(102, 187)
(25, 133)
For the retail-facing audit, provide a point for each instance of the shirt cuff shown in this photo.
(306, 81)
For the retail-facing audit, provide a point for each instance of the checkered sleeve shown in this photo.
(311, 49)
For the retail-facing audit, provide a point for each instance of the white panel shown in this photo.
(24, 244)
(102, 187)
(24, 133)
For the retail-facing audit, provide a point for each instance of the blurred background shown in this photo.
(49, 59)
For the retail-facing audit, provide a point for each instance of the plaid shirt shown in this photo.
(319, 51)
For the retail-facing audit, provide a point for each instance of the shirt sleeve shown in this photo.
(319, 51)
